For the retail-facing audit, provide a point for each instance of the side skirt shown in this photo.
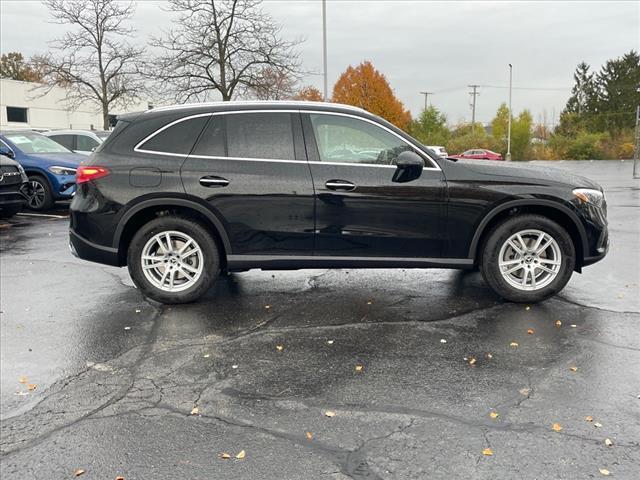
(284, 262)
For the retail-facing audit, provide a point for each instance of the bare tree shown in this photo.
(220, 46)
(274, 84)
(94, 60)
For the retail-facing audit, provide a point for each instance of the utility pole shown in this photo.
(426, 94)
(473, 105)
(508, 156)
(636, 168)
(324, 48)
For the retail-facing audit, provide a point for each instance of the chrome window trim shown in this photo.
(10, 149)
(138, 148)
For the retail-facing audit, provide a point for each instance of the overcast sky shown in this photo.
(420, 45)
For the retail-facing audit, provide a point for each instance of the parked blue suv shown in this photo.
(51, 168)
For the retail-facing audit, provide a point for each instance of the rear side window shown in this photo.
(211, 141)
(64, 140)
(260, 135)
(177, 138)
(86, 144)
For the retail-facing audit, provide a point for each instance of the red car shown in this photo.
(478, 154)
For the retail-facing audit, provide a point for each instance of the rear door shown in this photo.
(364, 208)
(251, 169)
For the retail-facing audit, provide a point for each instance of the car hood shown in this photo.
(527, 171)
(71, 160)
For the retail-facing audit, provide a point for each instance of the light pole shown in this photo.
(324, 47)
(509, 127)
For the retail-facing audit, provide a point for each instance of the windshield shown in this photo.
(31, 142)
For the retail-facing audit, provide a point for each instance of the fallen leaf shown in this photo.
(558, 323)
(489, 356)
(597, 424)
(195, 411)
(330, 342)
(127, 328)
(31, 386)
(119, 478)
(573, 369)
(530, 331)
(78, 472)
(359, 368)
(556, 427)
(241, 455)
(279, 348)
(206, 355)
(488, 452)
(234, 366)
(573, 325)
(138, 310)
(527, 307)
(605, 472)
(525, 391)
(494, 414)
(267, 307)
(225, 456)
(589, 418)
(608, 442)
(329, 413)
(22, 380)
(309, 435)
(442, 340)
(369, 302)
(514, 344)
(472, 361)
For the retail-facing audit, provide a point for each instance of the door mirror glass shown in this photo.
(6, 151)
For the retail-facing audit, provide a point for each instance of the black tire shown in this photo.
(490, 253)
(197, 232)
(44, 198)
(7, 212)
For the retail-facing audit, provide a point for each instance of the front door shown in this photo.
(365, 207)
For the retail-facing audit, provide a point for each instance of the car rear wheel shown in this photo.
(38, 193)
(173, 259)
(527, 258)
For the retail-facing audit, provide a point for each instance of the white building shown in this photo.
(22, 106)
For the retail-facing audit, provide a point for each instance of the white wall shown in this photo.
(50, 111)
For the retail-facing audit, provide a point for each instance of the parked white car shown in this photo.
(438, 150)
(79, 141)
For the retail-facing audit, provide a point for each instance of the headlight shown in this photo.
(587, 195)
(62, 170)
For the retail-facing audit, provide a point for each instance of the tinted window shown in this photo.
(86, 144)
(260, 135)
(64, 140)
(350, 140)
(178, 138)
(17, 114)
(211, 141)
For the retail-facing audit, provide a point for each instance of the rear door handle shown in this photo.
(211, 181)
(340, 185)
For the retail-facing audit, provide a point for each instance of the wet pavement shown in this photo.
(411, 363)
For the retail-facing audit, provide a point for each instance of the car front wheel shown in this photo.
(528, 258)
(38, 193)
(173, 259)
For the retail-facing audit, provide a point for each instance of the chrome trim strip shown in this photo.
(259, 258)
(214, 181)
(319, 112)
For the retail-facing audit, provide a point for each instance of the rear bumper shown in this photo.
(86, 250)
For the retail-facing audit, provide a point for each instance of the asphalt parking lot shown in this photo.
(337, 374)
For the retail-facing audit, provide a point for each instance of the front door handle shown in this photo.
(211, 181)
(340, 185)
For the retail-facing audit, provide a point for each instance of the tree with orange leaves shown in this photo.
(365, 87)
(309, 94)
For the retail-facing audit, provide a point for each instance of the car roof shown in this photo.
(262, 104)
(14, 131)
(71, 132)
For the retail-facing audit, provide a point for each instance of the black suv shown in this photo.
(180, 194)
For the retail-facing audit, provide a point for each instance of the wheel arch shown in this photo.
(147, 210)
(547, 208)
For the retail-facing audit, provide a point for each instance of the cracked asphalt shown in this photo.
(117, 377)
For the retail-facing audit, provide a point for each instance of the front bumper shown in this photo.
(86, 250)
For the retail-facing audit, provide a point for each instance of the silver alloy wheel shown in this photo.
(172, 261)
(530, 260)
(35, 193)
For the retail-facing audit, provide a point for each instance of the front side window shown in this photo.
(64, 140)
(177, 138)
(86, 144)
(351, 140)
(31, 142)
(260, 135)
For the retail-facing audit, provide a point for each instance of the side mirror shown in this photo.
(410, 166)
(6, 151)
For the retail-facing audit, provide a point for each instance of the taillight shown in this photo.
(86, 173)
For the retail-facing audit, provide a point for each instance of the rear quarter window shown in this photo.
(178, 137)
